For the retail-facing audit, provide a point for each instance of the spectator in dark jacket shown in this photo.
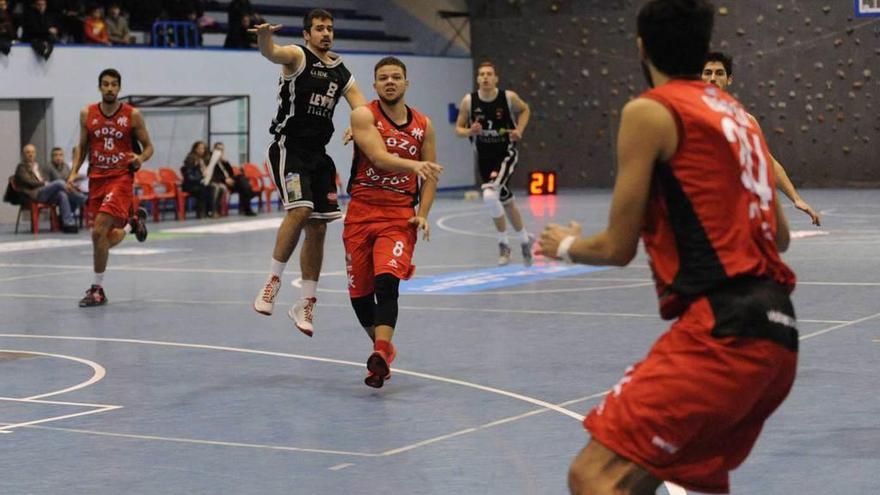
(40, 29)
(7, 28)
(225, 177)
(193, 171)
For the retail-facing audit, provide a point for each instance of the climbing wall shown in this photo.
(809, 70)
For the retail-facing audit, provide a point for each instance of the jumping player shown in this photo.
(495, 119)
(312, 81)
(393, 171)
(694, 180)
(718, 70)
(109, 132)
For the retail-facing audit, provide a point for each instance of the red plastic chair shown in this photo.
(34, 207)
(268, 186)
(255, 177)
(147, 180)
(169, 178)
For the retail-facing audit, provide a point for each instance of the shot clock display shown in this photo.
(542, 182)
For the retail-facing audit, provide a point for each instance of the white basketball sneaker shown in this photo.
(302, 313)
(265, 300)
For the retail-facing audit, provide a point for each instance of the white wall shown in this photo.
(69, 78)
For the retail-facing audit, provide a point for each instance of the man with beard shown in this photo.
(693, 180)
(495, 119)
(393, 171)
(312, 80)
(109, 132)
(718, 70)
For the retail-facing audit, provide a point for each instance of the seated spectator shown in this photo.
(44, 185)
(71, 13)
(224, 176)
(7, 28)
(239, 37)
(95, 29)
(63, 168)
(117, 26)
(40, 29)
(194, 169)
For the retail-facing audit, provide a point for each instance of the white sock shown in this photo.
(277, 267)
(502, 238)
(127, 228)
(99, 278)
(309, 288)
(523, 236)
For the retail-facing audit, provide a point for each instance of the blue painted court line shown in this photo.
(492, 278)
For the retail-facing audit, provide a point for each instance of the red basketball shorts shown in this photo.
(112, 195)
(374, 248)
(691, 411)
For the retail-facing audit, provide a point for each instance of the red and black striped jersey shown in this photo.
(711, 215)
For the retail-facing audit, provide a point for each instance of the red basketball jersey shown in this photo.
(377, 194)
(711, 213)
(110, 141)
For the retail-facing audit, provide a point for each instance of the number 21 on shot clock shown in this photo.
(542, 182)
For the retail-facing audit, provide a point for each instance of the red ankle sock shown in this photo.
(384, 346)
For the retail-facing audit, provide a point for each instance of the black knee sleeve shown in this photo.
(386, 288)
(365, 309)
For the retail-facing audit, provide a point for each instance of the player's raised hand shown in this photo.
(428, 170)
(265, 29)
(553, 234)
(421, 223)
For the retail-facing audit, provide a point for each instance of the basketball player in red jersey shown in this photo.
(695, 181)
(109, 131)
(718, 70)
(392, 187)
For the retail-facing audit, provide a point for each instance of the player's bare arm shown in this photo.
(139, 129)
(79, 152)
(784, 184)
(647, 133)
(368, 139)
(462, 129)
(354, 96)
(429, 187)
(521, 108)
(290, 56)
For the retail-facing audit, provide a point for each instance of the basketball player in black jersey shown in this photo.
(494, 120)
(312, 81)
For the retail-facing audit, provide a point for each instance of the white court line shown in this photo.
(652, 316)
(836, 327)
(441, 223)
(98, 372)
(208, 442)
(57, 418)
(340, 466)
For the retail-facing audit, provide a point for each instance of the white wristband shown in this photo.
(564, 246)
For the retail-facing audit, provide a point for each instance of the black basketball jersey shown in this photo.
(307, 99)
(497, 121)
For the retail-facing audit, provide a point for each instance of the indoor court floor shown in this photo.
(178, 387)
